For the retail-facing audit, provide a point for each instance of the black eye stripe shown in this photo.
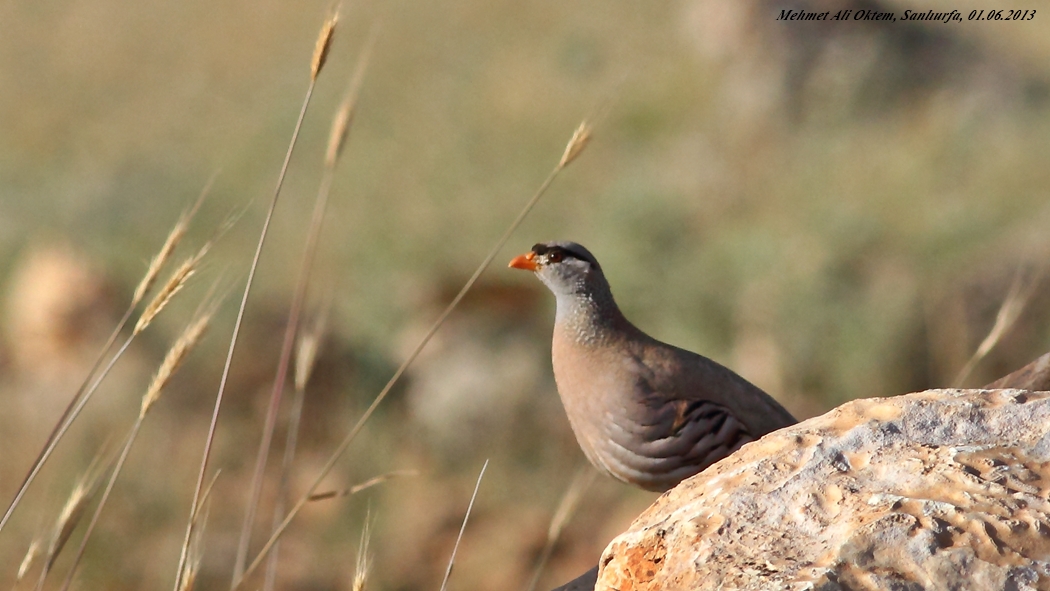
(555, 253)
(549, 249)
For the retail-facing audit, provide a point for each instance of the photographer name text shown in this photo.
(907, 16)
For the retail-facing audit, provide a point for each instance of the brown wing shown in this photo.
(688, 412)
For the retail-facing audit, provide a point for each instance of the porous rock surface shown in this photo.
(944, 489)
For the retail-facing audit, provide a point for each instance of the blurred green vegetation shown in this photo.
(836, 212)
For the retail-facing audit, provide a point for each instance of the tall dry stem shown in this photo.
(326, 33)
(566, 508)
(353, 490)
(463, 527)
(1013, 304)
(196, 553)
(302, 282)
(344, 115)
(309, 343)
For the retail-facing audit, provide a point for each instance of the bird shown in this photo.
(643, 411)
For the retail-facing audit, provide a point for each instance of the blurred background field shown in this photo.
(833, 210)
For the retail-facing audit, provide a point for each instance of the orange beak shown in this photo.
(524, 261)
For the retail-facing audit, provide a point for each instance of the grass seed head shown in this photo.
(173, 239)
(580, 138)
(196, 552)
(306, 358)
(324, 44)
(160, 259)
(174, 285)
(27, 562)
(68, 519)
(340, 131)
(364, 560)
(176, 355)
(344, 117)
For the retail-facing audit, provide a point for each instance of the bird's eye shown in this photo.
(554, 257)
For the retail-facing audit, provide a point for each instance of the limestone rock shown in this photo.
(945, 489)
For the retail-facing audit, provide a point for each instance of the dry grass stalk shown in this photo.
(27, 561)
(192, 566)
(176, 355)
(580, 138)
(324, 44)
(1016, 299)
(196, 553)
(463, 527)
(191, 569)
(344, 116)
(68, 519)
(306, 358)
(345, 443)
(353, 490)
(364, 561)
(338, 138)
(309, 344)
(188, 575)
(70, 515)
(173, 239)
(70, 415)
(253, 267)
(174, 285)
(340, 131)
(566, 508)
(158, 261)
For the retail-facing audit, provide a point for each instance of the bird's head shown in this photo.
(565, 267)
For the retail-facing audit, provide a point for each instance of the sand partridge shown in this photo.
(643, 411)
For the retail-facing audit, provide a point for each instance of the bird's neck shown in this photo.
(590, 317)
